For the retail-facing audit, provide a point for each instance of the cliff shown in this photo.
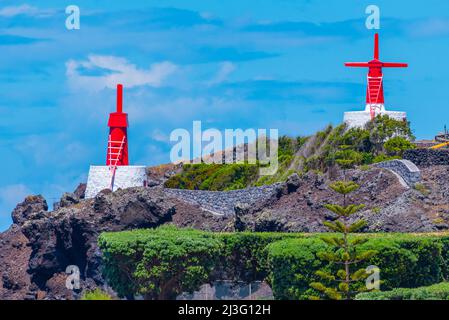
(36, 250)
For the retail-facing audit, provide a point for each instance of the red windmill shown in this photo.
(375, 90)
(117, 153)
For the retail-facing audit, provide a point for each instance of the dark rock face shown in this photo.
(390, 206)
(267, 221)
(71, 198)
(33, 207)
(68, 236)
(51, 241)
(427, 157)
(293, 182)
(15, 253)
(80, 191)
(67, 200)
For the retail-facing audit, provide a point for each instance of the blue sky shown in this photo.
(231, 64)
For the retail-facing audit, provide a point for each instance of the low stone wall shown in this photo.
(223, 202)
(406, 169)
(427, 157)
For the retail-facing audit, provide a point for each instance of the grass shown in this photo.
(422, 189)
(96, 294)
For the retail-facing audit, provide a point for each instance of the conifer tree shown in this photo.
(345, 253)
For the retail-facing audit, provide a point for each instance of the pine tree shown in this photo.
(346, 282)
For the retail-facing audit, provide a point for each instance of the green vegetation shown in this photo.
(214, 177)
(363, 146)
(404, 260)
(439, 291)
(382, 139)
(397, 145)
(164, 262)
(217, 177)
(422, 189)
(160, 263)
(345, 283)
(96, 294)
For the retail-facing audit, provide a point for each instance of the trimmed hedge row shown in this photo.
(404, 261)
(162, 263)
(439, 291)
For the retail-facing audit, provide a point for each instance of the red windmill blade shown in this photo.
(375, 90)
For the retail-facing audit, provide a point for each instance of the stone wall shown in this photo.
(406, 169)
(125, 177)
(223, 202)
(427, 157)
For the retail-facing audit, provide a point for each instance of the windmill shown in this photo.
(375, 90)
(117, 173)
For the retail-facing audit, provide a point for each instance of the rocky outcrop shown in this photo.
(33, 207)
(15, 281)
(389, 205)
(51, 241)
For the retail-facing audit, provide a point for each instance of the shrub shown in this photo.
(161, 263)
(383, 157)
(421, 188)
(438, 291)
(397, 145)
(404, 261)
(96, 294)
(164, 262)
(158, 264)
(383, 128)
(245, 255)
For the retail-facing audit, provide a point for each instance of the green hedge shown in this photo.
(438, 291)
(244, 254)
(161, 263)
(404, 261)
(164, 262)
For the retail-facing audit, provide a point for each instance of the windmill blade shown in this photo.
(394, 65)
(376, 46)
(357, 64)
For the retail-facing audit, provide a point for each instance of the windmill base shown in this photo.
(358, 119)
(125, 177)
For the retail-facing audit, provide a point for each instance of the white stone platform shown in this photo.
(360, 118)
(125, 177)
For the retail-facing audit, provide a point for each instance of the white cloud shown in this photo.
(118, 70)
(11, 195)
(226, 68)
(430, 27)
(24, 9)
(159, 136)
